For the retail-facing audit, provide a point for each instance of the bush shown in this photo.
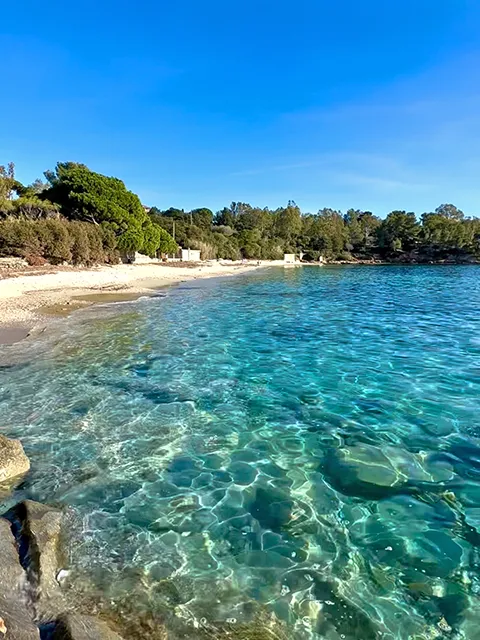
(109, 245)
(32, 208)
(6, 208)
(57, 241)
(345, 255)
(251, 250)
(207, 251)
(80, 246)
(18, 238)
(312, 256)
(96, 252)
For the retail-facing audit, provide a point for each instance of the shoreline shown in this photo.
(31, 302)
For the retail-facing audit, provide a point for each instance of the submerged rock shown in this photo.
(373, 472)
(79, 627)
(13, 461)
(32, 602)
(453, 607)
(348, 620)
(271, 507)
(362, 470)
(14, 596)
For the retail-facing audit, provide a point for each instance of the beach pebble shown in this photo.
(62, 575)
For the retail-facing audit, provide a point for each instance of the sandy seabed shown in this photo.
(27, 302)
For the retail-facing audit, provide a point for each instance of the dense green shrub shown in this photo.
(57, 241)
(207, 250)
(80, 243)
(345, 255)
(78, 216)
(33, 208)
(108, 244)
(18, 238)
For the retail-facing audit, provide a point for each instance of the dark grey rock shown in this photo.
(16, 610)
(79, 627)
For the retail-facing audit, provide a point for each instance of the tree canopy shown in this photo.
(88, 196)
(74, 193)
(243, 230)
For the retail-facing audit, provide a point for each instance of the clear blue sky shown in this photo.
(372, 104)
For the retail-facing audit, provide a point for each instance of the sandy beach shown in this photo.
(28, 302)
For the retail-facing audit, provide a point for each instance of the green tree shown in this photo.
(249, 241)
(447, 231)
(33, 208)
(450, 211)
(288, 223)
(370, 225)
(355, 235)
(172, 212)
(202, 218)
(34, 189)
(8, 184)
(327, 235)
(361, 229)
(92, 197)
(399, 230)
(225, 217)
(157, 240)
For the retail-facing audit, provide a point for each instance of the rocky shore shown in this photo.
(33, 604)
(37, 600)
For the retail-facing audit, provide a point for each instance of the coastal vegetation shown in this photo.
(245, 231)
(76, 216)
(82, 217)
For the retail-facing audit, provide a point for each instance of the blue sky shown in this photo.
(372, 104)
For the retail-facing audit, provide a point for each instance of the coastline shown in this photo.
(31, 299)
(31, 302)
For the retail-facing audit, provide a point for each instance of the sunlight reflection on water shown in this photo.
(305, 440)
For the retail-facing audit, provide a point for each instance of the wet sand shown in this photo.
(64, 309)
(11, 335)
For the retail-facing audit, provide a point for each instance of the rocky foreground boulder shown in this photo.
(32, 602)
(31, 599)
(16, 612)
(39, 526)
(13, 461)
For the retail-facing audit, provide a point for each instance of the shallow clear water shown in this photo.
(304, 439)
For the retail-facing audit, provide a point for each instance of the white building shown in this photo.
(190, 255)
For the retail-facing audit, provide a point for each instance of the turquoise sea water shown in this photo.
(303, 442)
